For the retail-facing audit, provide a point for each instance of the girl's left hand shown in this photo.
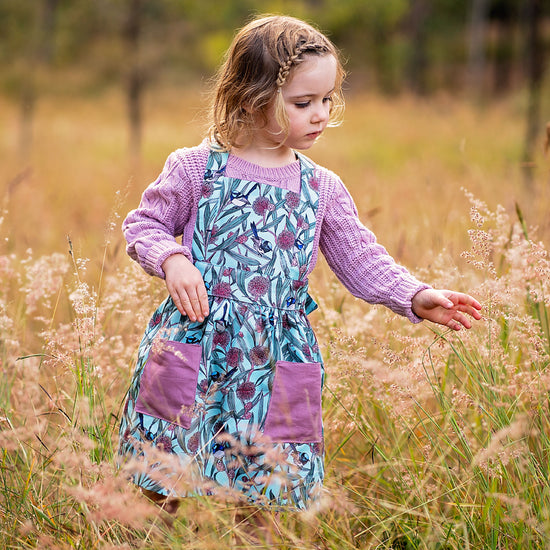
(446, 307)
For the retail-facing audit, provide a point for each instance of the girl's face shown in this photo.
(307, 99)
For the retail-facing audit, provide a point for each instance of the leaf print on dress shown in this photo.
(257, 293)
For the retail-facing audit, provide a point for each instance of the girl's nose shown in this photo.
(321, 112)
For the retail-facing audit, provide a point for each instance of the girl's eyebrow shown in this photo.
(308, 95)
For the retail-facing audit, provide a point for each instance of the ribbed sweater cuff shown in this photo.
(159, 252)
(402, 299)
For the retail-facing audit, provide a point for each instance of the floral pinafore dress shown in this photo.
(236, 399)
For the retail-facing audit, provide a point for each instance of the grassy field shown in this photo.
(433, 440)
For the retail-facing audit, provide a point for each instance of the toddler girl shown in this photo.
(229, 374)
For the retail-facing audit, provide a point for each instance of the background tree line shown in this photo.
(479, 48)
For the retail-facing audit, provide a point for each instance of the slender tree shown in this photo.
(135, 80)
(534, 64)
(476, 47)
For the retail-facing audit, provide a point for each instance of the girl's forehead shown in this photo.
(315, 74)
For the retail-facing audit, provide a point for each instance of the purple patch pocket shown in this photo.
(294, 412)
(169, 382)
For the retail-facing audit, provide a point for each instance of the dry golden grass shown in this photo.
(433, 440)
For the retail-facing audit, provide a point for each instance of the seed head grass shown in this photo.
(434, 439)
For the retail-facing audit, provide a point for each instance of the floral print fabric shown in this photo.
(255, 424)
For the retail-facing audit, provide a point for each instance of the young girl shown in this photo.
(229, 374)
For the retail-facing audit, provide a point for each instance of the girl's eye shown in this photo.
(302, 105)
(327, 99)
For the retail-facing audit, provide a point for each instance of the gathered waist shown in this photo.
(287, 291)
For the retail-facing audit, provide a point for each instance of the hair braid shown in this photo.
(300, 49)
(258, 63)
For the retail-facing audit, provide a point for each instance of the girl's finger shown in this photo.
(186, 306)
(203, 300)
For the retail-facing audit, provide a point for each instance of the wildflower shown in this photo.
(258, 286)
(222, 290)
(193, 443)
(292, 200)
(259, 355)
(221, 339)
(164, 443)
(286, 239)
(261, 205)
(246, 391)
(233, 357)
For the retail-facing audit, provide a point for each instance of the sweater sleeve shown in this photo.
(360, 263)
(165, 208)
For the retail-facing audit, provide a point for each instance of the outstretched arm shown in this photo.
(446, 307)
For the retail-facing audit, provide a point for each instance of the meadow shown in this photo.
(434, 440)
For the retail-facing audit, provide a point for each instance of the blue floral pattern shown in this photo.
(253, 244)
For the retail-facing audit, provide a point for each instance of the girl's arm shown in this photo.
(446, 307)
(370, 273)
(164, 210)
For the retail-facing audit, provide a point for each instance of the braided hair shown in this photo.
(259, 61)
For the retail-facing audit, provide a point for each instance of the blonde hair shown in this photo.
(257, 64)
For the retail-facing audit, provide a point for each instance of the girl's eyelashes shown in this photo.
(304, 104)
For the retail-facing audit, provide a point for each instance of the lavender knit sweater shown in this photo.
(168, 209)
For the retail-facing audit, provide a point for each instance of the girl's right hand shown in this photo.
(186, 287)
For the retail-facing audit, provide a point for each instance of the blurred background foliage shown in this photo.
(94, 93)
(482, 48)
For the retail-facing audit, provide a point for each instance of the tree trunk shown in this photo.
(534, 64)
(417, 31)
(40, 55)
(135, 81)
(476, 48)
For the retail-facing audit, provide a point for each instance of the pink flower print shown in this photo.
(260, 325)
(193, 443)
(243, 308)
(227, 271)
(126, 435)
(292, 200)
(203, 388)
(241, 239)
(247, 414)
(222, 290)
(318, 448)
(233, 357)
(301, 223)
(307, 352)
(261, 205)
(246, 391)
(214, 231)
(286, 324)
(207, 189)
(314, 183)
(164, 443)
(259, 355)
(221, 339)
(156, 319)
(296, 285)
(258, 286)
(285, 239)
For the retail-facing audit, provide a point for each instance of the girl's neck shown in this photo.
(265, 157)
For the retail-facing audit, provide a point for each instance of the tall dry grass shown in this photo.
(434, 439)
